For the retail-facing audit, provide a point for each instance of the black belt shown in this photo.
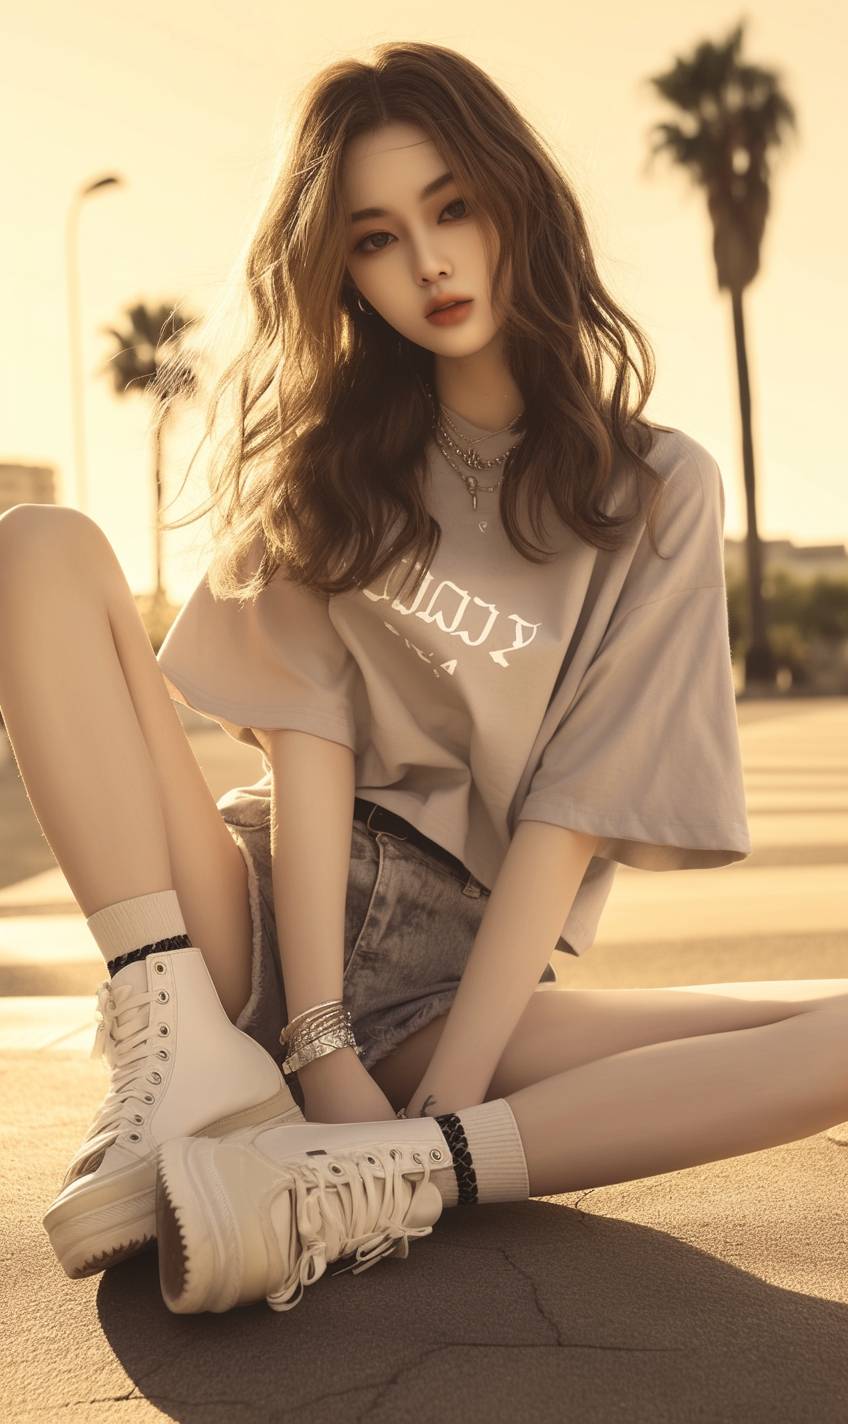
(377, 818)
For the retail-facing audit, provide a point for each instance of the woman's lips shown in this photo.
(448, 316)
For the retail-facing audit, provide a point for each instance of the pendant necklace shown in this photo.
(469, 456)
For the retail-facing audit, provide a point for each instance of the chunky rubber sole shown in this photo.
(196, 1236)
(109, 1221)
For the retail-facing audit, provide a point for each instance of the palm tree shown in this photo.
(733, 114)
(142, 362)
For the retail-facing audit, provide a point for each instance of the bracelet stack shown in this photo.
(316, 1032)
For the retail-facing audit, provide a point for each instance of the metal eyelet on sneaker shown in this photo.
(161, 1053)
(154, 1077)
(164, 1030)
(137, 1117)
(395, 1152)
(163, 996)
(369, 1158)
(159, 966)
(416, 1157)
(149, 1098)
(334, 1167)
(436, 1154)
(135, 1137)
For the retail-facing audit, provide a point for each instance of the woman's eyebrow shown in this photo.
(426, 192)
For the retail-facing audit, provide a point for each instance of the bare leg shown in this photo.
(563, 1028)
(80, 750)
(670, 1105)
(107, 767)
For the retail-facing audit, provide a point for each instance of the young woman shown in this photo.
(465, 731)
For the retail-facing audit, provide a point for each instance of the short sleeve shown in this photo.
(271, 663)
(646, 756)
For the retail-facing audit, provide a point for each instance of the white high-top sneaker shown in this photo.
(179, 1068)
(262, 1213)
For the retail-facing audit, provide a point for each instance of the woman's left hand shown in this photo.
(337, 1088)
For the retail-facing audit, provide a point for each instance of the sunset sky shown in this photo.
(189, 103)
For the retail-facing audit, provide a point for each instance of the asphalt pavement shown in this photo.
(716, 1293)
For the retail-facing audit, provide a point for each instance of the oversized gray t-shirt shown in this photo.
(593, 691)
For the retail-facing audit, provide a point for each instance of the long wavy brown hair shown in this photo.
(333, 412)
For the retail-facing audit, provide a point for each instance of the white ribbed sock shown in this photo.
(136, 923)
(497, 1156)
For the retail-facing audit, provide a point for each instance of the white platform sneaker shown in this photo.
(179, 1067)
(262, 1213)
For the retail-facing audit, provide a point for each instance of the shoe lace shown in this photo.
(122, 1037)
(362, 1212)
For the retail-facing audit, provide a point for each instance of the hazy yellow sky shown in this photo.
(188, 102)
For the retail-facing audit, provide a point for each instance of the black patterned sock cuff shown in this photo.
(466, 1177)
(132, 956)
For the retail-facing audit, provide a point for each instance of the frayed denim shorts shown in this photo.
(410, 924)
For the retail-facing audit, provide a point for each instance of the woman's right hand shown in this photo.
(336, 1088)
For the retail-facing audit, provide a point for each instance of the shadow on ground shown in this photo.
(718, 1292)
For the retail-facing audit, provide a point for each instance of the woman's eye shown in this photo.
(360, 246)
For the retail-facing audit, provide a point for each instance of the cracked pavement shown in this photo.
(716, 1293)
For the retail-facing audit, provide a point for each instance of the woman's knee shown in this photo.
(33, 537)
(797, 993)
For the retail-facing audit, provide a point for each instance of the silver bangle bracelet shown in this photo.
(300, 1059)
(328, 1009)
(316, 1032)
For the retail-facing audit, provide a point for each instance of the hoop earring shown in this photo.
(368, 310)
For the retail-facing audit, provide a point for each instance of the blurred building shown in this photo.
(26, 484)
(801, 561)
(36, 484)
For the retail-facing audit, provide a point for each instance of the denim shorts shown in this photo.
(410, 924)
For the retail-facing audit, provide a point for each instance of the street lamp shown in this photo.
(74, 327)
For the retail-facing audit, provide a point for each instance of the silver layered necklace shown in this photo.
(468, 455)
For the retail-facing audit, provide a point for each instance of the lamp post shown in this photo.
(75, 328)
